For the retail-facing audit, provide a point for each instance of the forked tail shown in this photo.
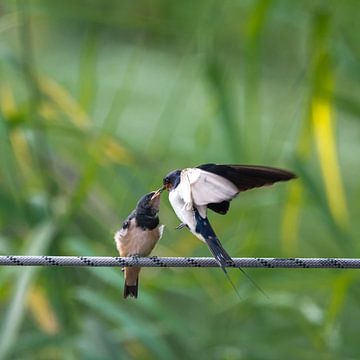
(131, 290)
(204, 228)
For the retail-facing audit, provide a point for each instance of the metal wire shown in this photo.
(154, 261)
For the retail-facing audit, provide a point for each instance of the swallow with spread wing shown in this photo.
(137, 237)
(211, 186)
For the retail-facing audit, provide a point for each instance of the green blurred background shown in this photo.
(100, 99)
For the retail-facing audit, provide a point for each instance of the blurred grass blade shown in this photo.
(22, 152)
(317, 195)
(135, 328)
(8, 22)
(322, 120)
(42, 311)
(7, 101)
(222, 93)
(109, 147)
(8, 168)
(256, 21)
(290, 223)
(252, 128)
(87, 71)
(38, 242)
(291, 218)
(348, 105)
(341, 285)
(112, 149)
(324, 138)
(64, 101)
(124, 91)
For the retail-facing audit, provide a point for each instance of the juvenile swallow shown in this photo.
(137, 237)
(211, 186)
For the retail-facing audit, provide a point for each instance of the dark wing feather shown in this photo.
(126, 222)
(221, 208)
(247, 177)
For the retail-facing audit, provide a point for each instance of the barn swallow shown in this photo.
(137, 237)
(211, 186)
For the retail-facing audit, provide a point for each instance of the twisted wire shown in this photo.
(154, 261)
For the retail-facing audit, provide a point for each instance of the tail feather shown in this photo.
(131, 290)
(204, 228)
(219, 253)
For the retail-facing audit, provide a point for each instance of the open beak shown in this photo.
(157, 193)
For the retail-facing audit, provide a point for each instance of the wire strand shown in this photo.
(154, 261)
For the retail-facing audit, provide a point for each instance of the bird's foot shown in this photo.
(135, 257)
(179, 227)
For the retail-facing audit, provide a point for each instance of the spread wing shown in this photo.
(207, 187)
(243, 177)
(247, 177)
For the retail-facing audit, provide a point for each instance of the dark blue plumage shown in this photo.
(204, 228)
(173, 178)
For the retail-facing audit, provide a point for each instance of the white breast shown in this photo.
(185, 214)
(177, 202)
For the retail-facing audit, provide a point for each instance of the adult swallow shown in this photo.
(137, 237)
(211, 186)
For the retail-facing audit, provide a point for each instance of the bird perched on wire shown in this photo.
(211, 186)
(137, 237)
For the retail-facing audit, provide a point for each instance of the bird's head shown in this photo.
(171, 180)
(149, 204)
